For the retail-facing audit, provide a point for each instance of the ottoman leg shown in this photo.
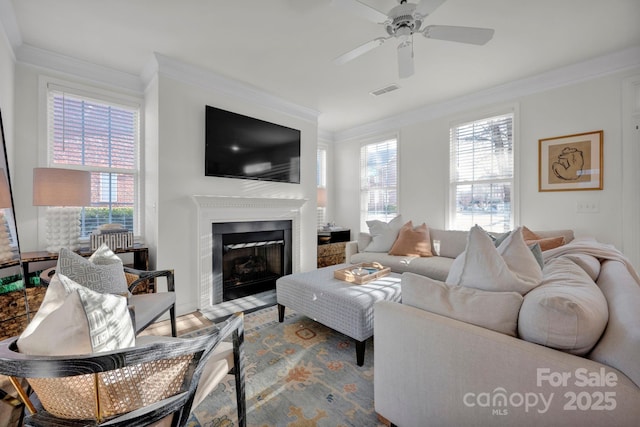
(360, 352)
(280, 313)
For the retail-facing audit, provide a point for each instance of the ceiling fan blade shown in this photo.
(363, 10)
(471, 35)
(405, 59)
(426, 7)
(362, 49)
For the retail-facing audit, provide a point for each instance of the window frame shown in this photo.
(363, 200)
(107, 96)
(513, 110)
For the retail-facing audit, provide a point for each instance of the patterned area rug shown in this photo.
(298, 374)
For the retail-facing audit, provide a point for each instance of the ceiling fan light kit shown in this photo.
(402, 22)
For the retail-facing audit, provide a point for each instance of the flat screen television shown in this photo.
(239, 146)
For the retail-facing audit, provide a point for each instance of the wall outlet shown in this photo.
(588, 207)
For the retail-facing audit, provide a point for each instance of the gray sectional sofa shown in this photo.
(573, 358)
(452, 243)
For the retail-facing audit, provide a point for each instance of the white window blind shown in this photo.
(482, 174)
(101, 136)
(321, 181)
(379, 181)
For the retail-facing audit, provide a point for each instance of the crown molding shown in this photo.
(198, 76)
(597, 67)
(9, 24)
(37, 57)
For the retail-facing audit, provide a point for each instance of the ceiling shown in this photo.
(287, 47)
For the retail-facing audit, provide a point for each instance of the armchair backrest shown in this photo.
(134, 386)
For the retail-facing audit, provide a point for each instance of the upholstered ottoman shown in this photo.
(340, 305)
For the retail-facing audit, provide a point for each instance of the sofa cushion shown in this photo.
(102, 272)
(435, 267)
(412, 241)
(452, 242)
(363, 241)
(492, 310)
(77, 320)
(567, 311)
(510, 267)
(383, 234)
(619, 346)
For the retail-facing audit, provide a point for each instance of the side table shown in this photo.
(331, 246)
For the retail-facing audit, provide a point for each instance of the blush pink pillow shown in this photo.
(412, 241)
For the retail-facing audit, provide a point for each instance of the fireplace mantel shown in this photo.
(213, 209)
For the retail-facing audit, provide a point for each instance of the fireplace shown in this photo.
(235, 209)
(248, 257)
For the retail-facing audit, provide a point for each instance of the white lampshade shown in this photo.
(322, 197)
(61, 187)
(64, 191)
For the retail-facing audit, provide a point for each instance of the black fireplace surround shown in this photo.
(248, 257)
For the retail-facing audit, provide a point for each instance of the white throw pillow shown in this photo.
(497, 311)
(510, 267)
(567, 312)
(102, 272)
(383, 234)
(81, 322)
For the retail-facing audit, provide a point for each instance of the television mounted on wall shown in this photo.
(238, 146)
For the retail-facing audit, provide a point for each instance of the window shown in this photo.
(321, 180)
(87, 132)
(482, 174)
(108, 187)
(379, 181)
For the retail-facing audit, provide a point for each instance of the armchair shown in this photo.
(148, 303)
(154, 383)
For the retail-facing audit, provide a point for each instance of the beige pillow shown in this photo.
(509, 267)
(383, 234)
(102, 272)
(497, 311)
(545, 243)
(412, 241)
(567, 311)
(81, 322)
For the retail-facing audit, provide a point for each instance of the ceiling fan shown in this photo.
(402, 22)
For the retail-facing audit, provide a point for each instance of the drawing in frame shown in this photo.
(570, 162)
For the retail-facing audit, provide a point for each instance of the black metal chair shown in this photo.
(136, 386)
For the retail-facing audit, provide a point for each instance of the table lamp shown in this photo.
(64, 192)
(6, 253)
(321, 198)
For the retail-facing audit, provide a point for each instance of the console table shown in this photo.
(140, 257)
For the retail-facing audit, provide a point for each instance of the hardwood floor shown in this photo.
(184, 324)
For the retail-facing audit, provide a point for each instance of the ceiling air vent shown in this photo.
(386, 89)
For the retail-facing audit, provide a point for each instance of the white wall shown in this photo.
(181, 123)
(7, 67)
(424, 160)
(173, 159)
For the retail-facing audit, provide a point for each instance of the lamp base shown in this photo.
(6, 252)
(63, 228)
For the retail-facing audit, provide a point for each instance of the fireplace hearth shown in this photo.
(248, 257)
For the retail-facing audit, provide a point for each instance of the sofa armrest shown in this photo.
(429, 367)
(350, 249)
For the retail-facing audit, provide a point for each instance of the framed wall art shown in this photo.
(571, 162)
